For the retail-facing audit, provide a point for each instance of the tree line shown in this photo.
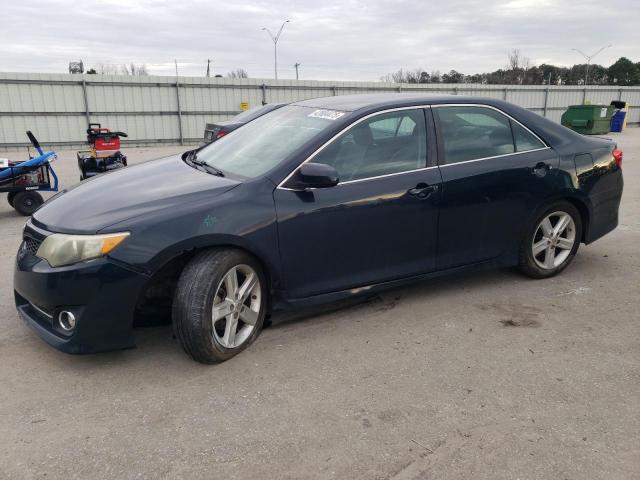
(519, 71)
(141, 70)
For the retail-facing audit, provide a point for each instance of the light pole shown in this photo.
(275, 39)
(588, 58)
(296, 65)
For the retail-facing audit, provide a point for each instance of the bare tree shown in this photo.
(517, 67)
(416, 75)
(398, 77)
(124, 69)
(133, 69)
(514, 59)
(107, 69)
(238, 73)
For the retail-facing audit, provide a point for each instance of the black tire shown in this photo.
(193, 304)
(527, 264)
(26, 203)
(10, 197)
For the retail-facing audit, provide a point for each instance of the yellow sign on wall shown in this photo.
(244, 105)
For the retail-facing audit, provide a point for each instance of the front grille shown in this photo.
(30, 245)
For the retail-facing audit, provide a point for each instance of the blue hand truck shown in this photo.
(22, 180)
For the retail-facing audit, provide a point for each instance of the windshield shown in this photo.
(259, 146)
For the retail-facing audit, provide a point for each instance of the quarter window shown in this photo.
(524, 139)
(384, 144)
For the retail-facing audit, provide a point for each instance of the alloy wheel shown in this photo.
(236, 306)
(553, 240)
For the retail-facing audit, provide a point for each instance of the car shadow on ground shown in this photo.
(388, 299)
(150, 338)
(157, 344)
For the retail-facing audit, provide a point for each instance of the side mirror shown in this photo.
(317, 175)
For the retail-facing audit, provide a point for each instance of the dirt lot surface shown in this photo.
(482, 376)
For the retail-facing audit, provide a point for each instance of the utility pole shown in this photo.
(175, 60)
(208, 67)
(275, 39)
(296, 65)
(588, 58)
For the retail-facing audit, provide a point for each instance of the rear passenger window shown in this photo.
(471, 133)
(524, 139)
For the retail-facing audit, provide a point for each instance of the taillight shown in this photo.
(220, 134)
(617, 156)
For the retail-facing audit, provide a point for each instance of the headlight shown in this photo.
(61, 249)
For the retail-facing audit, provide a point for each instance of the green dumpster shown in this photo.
(588, 119)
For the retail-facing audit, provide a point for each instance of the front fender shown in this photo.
(267, 256)
(243, 217)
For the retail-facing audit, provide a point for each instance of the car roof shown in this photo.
(352, 103)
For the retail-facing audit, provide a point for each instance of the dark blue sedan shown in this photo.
(313, 202)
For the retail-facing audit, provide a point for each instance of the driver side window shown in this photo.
(381, 145)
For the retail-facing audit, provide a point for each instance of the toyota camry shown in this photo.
(316, 201)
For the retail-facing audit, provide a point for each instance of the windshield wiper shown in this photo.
(192, 157)
(210, 169)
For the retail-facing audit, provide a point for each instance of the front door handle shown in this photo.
(423, 191)
(541, 169)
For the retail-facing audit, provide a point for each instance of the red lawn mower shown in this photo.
(104, 153)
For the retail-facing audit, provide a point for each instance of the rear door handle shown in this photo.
(423, 191)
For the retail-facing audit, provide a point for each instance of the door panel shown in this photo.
(486, 204)
(379, 223)
(495, 174)
(358, 233)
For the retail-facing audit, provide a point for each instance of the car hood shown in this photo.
(114, 197)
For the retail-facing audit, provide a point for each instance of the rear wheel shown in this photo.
(552, 242)
(220, 305)
(10, 197)
(26, 203)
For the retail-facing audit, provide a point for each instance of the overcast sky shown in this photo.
(333, 40)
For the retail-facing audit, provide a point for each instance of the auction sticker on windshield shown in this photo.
(326, 114)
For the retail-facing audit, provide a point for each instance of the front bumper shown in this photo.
(101, 294)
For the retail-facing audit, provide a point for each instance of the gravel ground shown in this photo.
(482, 376)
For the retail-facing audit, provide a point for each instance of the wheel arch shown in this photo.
(153, 304)
(585, 215)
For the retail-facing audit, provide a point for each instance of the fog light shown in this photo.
(67, 320)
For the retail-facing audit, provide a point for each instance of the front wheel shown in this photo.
(220, 304)
(10, 197)
(552, 241)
